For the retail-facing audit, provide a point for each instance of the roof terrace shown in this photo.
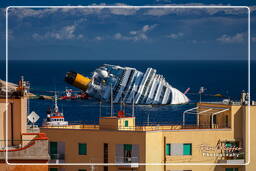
(209, 116)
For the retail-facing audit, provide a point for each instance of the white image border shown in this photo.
(131, 7)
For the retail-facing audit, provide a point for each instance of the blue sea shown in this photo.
(228, 78)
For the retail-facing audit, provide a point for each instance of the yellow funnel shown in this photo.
(77, 80)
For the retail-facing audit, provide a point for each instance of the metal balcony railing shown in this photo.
(162, 126)
(57, 156)
(127, 160)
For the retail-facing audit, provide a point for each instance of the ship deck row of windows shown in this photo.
(125, 81)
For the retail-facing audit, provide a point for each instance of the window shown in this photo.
(168, 149)
(105, 153)
(53, 169)
(105, 168)
(128, 147)
(126, 123)
(53, 150)
(178, 149)
(228, 144)
(127, 152)
(231, 169)
(214, 119)
(226, 119)
(232, 144)
(82, 149)
(81, 169)
(187, 150)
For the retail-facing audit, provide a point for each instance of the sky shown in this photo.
(127, 34)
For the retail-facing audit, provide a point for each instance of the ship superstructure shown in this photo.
(55, 118)
(128, 85)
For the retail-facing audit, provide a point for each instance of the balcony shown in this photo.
(127, 161)
(238, 159)
(232, 161)
(57, 158)
(28, 150)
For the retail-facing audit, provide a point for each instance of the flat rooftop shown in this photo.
(139, 128)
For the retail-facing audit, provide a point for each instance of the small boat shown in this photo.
(70, 96)
(55, 118)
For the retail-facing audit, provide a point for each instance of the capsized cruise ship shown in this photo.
(128, 85)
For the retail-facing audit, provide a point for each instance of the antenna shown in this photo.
(62, 109)
(55, 103)
(133, 104)
(100, 107)
(111, 100)
(121, 102)
(148, 120)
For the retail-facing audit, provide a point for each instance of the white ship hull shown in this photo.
(130, 85)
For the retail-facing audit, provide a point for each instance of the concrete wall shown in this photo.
(95, 140)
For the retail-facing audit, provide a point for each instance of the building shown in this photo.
(220, 136)
(23, 146)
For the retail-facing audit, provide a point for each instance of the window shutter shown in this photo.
(187, 149)
(126, 123)
(168, 149)
(228, 144)
(128, 147)
(53, 148)
(229, 169)
(53, 169)
(82, 149)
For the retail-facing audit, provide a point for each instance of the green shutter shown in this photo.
(82, 149)
(168, 149)
(128, 147)
(228, 144)
(187, 150)
(53, 148)
(82, 170)
(53, 169)
(229, 169)
(126, 123)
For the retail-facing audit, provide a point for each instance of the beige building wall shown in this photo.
(17, 119)
(250, 117)
(2, 122)
(95, 140)
(152, 144)
(154, 150)
(196, 138)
